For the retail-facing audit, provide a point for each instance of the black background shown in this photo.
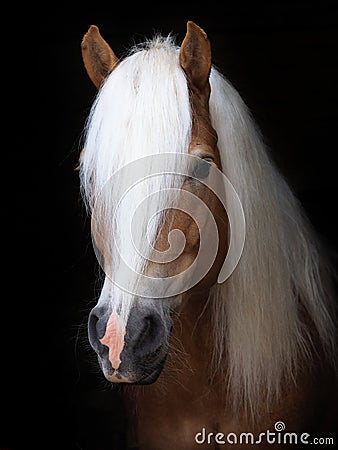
(280, 56)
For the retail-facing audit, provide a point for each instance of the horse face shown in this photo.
(130, 333)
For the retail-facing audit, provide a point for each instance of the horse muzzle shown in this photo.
(133, 353)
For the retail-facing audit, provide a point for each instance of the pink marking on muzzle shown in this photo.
(114, 338)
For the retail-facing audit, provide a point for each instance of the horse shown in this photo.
(211, 350)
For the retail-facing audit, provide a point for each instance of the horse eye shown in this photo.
(209, 159)
(202, 168)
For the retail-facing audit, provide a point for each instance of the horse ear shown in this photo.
(99, 59)
(195, 56)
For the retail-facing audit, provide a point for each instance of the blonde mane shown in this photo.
(259, 331)
(259, 312)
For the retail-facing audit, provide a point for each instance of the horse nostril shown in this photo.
(151, 327)
(150, 335)
(96, 329)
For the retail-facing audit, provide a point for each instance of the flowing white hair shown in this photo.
(259, 331)
(282, 280)
(142, 109)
